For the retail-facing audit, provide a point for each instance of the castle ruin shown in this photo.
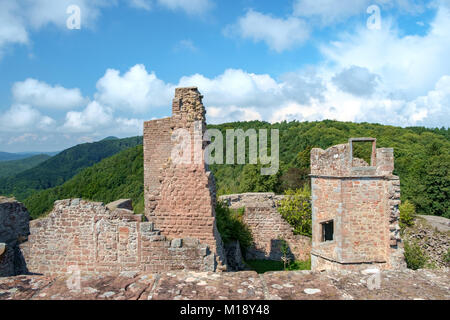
(355, 209)
(355, 213)
(180, 197)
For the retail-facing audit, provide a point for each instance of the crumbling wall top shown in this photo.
(339, 161)
(188, 103)
(14, 219)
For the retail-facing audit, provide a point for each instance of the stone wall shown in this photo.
(93, 238)
(14, 229)
(267, 227)
(180, 197)
(362, 201)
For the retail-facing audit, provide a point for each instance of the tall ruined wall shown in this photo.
(94, 239)
(362, 202)
(14, 229)
(180, 197)
(267, 227)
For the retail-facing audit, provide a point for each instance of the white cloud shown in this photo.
(21, 117)
(90, 119)
(356, 80)
(42, 12)
(408, 65)
(278, 34)
(19, 17)
(235, 87)
(12, 28)
(137, 90)
(434, 108)
(232, 113)
(42, 95)
(192, 7)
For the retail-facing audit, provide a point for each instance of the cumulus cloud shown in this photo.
(279, 34)
(235, 87)
(19, 17)
(233, 113)
(136, 90)
(95, 115)
(356, 80)
(42, 12)
(408, 65)
(12, 28)
(42, 95)
(21, 117)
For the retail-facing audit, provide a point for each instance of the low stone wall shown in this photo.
(14, 229)
(87, 236)
(268, 227)
(251, 199)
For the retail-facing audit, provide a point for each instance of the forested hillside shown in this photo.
(422, 160)
(119, 176)
(60, 168)
(10, 168)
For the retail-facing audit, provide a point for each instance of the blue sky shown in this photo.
(266, 60)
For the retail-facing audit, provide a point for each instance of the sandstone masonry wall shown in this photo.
(94, 239)
(180, 197)
(267, 227)
(14, 229)
(362, 200)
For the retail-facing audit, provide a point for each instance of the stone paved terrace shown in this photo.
(248, 285)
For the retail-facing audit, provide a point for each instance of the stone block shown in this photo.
(176, 243)
(121, 204)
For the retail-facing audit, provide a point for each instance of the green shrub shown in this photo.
(299, 265)
(295, 208)
(407, 214)
(414, 256)
(231, 227)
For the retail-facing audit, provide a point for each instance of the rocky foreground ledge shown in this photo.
(296, 285)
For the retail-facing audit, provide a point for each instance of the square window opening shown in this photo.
(363, 152)
(327, 231)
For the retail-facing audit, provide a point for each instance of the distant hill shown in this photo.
(6, 156)
(10, 168)
(60, 168)
(110, 138)
(422, 160)
(117, 177)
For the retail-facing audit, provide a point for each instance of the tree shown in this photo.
(251, 180)
(295, 208)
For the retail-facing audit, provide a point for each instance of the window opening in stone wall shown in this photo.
(362, 152)
(327, 230)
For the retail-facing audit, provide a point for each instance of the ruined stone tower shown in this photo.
(355, 209)
(180, 196)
